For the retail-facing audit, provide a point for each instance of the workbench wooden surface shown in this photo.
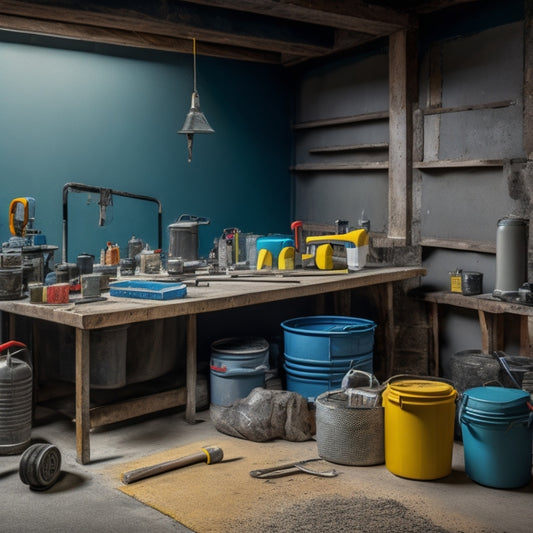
(212, 293)
(204, 294)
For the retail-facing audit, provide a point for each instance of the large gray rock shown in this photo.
(265, 415)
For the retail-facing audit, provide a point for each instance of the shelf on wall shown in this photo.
(469, 107)
(319, 167)
(458, 163)
(349, 148)
(323, 123)
(451, 244)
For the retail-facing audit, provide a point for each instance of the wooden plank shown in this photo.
(110, 414)
(83, 420)
(402, 70)
(390, 333)
(486, 333)
(437, 110)
(434, 360)
(468, 246)
(190, 412)
(528, 80)
(457, 163)
(324, 167)
(354, 15)
(339, 121)
(349, 148)
(137, 39)
(208, 24)
(526, 336)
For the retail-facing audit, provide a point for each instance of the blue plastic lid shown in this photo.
(328, 325)
(496, 399)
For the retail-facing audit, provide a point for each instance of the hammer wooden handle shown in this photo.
(209, 455)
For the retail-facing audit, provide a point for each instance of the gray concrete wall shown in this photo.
(452, 204)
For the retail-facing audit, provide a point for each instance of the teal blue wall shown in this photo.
(107, 117)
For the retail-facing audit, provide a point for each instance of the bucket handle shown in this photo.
(348, 328)
(237, 371)
(11, 344)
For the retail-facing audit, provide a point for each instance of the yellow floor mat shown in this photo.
(223, 497)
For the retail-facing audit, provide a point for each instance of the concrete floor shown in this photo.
(86, 500)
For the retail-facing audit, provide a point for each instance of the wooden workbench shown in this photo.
(215, 293)
(491, 312)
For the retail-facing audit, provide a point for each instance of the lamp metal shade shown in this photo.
(195, 121)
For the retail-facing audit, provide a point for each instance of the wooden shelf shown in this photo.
(468, 246)
(324, 123)
(349, 148)
(471, 107)
(321, 167)
(457, 163)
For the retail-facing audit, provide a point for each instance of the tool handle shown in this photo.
(153, 470)
(210, 455)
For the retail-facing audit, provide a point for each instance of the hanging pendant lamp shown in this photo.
(195, 121)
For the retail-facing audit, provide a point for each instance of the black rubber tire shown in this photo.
(40, 466)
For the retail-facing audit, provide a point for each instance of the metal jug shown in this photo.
(511, 256)
(16, 387)
(183, 237)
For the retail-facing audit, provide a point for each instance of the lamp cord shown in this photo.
(194, 62)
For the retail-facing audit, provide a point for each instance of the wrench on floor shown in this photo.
(291, 468)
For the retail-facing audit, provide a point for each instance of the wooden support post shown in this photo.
(390, 337)
(492, 333)
(190, 409)
(402, 73)
(83, 419)
(526, 336)
(434, 359)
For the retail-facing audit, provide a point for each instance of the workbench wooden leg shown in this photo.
(526, 336)
(190, 409)
(83, 381)
(390, 337)
(434, 360)
(492, 335)
(343, 302)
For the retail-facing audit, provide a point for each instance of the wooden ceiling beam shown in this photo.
(133, 39)
(353, 15)
(180, 20)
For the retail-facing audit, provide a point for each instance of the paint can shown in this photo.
(90, 285)
(471, 283)
(85, 264)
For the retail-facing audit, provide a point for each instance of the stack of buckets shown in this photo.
(320, 350)
(496, 429)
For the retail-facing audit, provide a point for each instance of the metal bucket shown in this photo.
(16, 386)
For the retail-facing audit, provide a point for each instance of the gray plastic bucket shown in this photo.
(237, 365)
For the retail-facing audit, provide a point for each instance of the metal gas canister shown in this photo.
(16, 386)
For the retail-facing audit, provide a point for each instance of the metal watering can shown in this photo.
(16, 387)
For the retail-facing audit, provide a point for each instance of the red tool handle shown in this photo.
(297, 227)
(10, 344)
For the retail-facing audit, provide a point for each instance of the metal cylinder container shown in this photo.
(511, 256)
(16, 386)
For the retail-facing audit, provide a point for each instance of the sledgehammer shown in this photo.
(211, 455)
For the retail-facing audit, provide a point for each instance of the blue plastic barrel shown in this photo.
(320, 350)
(496, 425)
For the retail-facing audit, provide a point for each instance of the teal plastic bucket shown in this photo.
(237, 366)
(496, 425)
(325, 338)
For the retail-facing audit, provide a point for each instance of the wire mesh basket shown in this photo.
(349, 435)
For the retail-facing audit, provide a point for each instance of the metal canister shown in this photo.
(85, 264)
(511, 256)
(183, 237)
(135, 247)
(16, 386)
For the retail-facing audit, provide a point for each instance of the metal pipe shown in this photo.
(80, 187)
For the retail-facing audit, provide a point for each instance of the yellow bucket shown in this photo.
(419, 427)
